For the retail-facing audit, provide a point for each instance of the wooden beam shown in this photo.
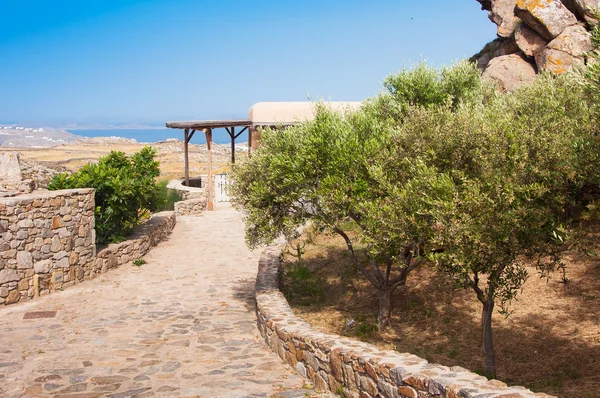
(190, 136)
(187, 161)
(240, 133)
(211, 184)
(205, 124)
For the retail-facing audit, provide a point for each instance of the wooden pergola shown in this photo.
(260, 115)
(189, 128)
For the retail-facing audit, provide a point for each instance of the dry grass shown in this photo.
(550, 343)
(74, 155)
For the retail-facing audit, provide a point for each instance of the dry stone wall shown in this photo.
(140, 241)
(47, 242)
(361, 370)
(190, 207)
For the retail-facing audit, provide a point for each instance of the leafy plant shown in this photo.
(303, 286)
(138, 262)
(125, 191)
(167, 197)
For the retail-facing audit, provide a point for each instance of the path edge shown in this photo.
(356, 369)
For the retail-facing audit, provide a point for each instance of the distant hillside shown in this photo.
(12, 138)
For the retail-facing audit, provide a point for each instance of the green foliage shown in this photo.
(125, 191)
(425, 86)
(138, 262)
(439, 167)
(167, 197)
(362, 327)
(303, 287)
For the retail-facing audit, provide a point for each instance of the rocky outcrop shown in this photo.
(547, 17)
(583, 9)
(510, 71)
(502, 14)
(545, 35)
(497, 48)
(529, 41)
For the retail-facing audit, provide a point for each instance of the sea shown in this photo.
(220, 136)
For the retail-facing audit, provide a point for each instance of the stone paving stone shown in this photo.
(181, 325)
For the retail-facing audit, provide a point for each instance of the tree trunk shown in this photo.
(488, 340)
(385, 308)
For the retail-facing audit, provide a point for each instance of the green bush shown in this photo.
(125, 191)
(167, 196)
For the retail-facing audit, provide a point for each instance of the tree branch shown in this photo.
(355, 260)
(474, 283)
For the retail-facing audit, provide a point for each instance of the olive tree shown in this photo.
(334, 171)
(345, 172)
(516, 164)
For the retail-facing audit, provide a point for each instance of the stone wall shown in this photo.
(47, 242)
(140, 241)
(362, 370)
(190, 207)
(189, 192)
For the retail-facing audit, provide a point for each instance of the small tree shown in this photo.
(513, 179)
(333, 172)
(340, 172)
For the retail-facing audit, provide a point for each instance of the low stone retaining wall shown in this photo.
(47, 242)
(358, 369)
(140, 241)
(192, 192)
(190, 207)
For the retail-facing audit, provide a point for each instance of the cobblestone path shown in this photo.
(181, 325)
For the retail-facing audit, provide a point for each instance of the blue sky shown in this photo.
(118, 61)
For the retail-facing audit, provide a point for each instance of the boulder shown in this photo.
(9, 166)
(495, 48)
(574, 40)
(529, 41)
(502, 14)
(556, 61)
(547, 17)
(510, 71)
(583, 9)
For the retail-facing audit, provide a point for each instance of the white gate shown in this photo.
(221, 182)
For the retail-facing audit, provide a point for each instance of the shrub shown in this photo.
(167, 196)
(125, 191)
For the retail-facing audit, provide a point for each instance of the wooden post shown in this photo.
(250, 140)
(233, 137)
(211, 184)
(233, 145)
(187, 161)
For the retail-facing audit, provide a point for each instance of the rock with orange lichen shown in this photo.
(510, 71)
(574, 40)
(547, 17)
(556, 61)
(501, 12)
(583, 9)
